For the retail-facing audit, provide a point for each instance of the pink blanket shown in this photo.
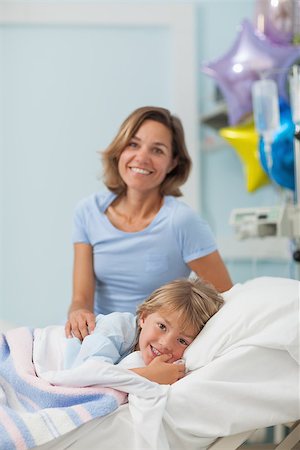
(32, 411)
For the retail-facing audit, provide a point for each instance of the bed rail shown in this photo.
(234, 441)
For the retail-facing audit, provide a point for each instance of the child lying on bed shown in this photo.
(165, 325)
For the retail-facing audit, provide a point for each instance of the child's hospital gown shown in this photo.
(112, 341)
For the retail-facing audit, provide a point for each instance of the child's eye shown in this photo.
(161, 326)
(183, 342)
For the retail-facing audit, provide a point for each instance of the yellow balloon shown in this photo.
(244, 139)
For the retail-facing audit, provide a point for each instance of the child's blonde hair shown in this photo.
(194, 300)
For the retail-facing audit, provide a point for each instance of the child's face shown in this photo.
(161, 334)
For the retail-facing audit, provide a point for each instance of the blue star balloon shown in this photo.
(282, 170)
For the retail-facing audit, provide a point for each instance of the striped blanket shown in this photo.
(33, 411)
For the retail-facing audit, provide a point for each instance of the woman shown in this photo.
(138, 236)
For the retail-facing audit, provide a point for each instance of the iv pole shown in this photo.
(283, 220)
(294, 84)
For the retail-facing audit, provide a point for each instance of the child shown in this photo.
(165, 325)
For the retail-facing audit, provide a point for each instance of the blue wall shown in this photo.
(65, 91)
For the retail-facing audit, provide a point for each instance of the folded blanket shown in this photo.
(146, 399)
(32, 411)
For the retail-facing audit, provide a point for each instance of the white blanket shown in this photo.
(245, 367)
(244, 374)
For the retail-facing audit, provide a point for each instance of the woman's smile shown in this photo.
(140, 171)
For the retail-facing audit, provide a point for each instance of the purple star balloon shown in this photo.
(251, 57)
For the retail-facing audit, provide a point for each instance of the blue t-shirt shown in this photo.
(129, 266)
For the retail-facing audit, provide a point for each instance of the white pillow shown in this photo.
(262, 312)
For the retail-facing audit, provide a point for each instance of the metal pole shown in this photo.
(294, 84)
(297, 163)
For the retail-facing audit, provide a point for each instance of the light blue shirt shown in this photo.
(113, 339)
(129, 266)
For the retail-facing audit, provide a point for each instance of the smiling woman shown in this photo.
(143, 166)
(137, 236)
(148, 158)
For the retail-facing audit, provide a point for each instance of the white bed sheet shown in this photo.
(245, 375)
(115, 432)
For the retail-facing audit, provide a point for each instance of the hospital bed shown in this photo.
(95, 432)
(243, 376)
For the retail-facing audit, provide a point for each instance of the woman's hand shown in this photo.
(162, 372)
(81, 323)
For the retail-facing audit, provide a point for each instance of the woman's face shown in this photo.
(147, 159)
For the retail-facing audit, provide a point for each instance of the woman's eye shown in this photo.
(132, 144)
(158, 151)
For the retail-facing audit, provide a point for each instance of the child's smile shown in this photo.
(161, 334)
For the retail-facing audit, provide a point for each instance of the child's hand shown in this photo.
(164, 372)
(161, 371)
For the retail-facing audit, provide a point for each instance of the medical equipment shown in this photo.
(278, 221)
(282, 220)
(266, 112)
